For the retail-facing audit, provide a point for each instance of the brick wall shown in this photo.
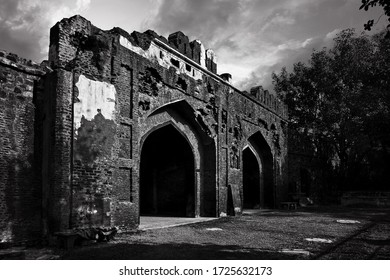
(21, 97)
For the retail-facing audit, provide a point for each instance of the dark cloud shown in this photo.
(25, 24)
(18, 28)
(254, 38)
(14, 36)
(288, 58)
(203, 18)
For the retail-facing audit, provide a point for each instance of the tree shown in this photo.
(339, 103)
(367, 4)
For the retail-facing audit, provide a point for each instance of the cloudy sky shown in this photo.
(252, 38)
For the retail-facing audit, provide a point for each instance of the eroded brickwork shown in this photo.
(21, 93)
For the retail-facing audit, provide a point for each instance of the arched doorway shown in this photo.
(251, 180)
(167, 174)
(258, 177)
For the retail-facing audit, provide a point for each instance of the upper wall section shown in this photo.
(190, 58)
(22, 65)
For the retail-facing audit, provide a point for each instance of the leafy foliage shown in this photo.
(339, 106)
(367, 4)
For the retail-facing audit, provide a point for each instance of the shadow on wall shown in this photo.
(23, 200)
(20, 187)
(92, 173)
(94, 139)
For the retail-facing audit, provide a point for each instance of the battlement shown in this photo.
(194, 50)
(269, 100)
(177, 52)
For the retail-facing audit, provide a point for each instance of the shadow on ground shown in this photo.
(370, 214)
(121, 251)
(255, 235)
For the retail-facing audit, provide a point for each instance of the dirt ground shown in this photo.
(310, 233)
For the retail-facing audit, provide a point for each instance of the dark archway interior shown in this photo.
(206, 174)
(264, 152)
(167, 175)
(251, 180)
(230, 204)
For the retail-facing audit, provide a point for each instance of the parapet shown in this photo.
(190, 58)
(194, 50)
(180, 42)
(12, 60)
(269, 100)
(80, 33)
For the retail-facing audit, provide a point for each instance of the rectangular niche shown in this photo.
(126, 98)
(125, 141)
(124, 184)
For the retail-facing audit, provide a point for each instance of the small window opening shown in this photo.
(181, 83)
(175, 62)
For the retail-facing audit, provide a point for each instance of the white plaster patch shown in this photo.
(213, 229)
(348, 222)
(319, 240)
(127, 44)
(94, 96)
(202, 54)
(163, 57)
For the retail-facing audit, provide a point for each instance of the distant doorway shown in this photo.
(258, 180)
(167, 174)
(251, 180)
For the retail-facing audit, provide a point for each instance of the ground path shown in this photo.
(264, 234)
(306, 233)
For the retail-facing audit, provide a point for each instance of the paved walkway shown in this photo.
(155, 222)
(149, 222)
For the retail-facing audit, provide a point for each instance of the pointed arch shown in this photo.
(259, 147)
(167, 174)
(181, 117)
(251, 178)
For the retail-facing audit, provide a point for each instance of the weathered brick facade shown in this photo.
(137, 124)
(21, 94)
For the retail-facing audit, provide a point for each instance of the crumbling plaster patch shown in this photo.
(163, 58)
(94, 97)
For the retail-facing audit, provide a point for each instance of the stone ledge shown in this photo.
(17, 64)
